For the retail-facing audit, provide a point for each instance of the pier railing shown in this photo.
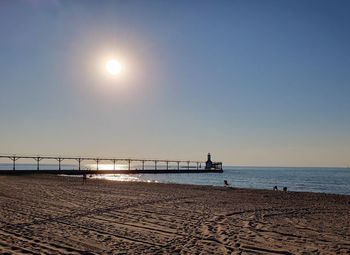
(167, 165)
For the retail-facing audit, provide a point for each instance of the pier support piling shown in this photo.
(59, 163)
(129, 163)
(14, 159)
(38, 159)
(97, 161)
(79, 163)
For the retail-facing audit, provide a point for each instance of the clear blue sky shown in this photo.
(253, 82)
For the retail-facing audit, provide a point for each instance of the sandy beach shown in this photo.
(42, 214)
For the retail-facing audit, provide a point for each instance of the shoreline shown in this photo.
(332, 181)
(137, 171)
(222, 187)
(61, 215)
(60, 174)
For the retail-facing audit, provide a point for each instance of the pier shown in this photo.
(131, 165)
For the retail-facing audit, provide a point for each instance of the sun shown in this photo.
(113, 67)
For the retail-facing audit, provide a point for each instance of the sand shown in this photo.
(59, 215)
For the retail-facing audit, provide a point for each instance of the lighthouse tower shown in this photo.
(208, 163)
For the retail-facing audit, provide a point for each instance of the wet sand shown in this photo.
(59, 215)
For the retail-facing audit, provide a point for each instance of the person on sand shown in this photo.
(84, 178)
(226, 183)
(275, 188)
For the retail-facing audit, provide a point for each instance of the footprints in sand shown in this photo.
(52, 215)
(272, 231)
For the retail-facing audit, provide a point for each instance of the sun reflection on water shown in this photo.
(116, 177)
(121, 177)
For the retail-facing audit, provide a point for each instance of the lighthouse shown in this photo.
(208, 163)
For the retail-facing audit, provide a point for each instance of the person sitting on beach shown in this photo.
(275, 188)
(285, 189)
(226, 183)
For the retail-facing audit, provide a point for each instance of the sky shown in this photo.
(259, 83)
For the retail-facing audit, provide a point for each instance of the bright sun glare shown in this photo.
(113, 67)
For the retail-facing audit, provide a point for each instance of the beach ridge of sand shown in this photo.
(60, 215)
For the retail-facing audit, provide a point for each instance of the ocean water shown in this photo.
(325, 180)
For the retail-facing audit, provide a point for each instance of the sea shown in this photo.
(301, 179)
